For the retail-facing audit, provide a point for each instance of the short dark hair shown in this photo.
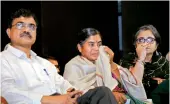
(85, 34)
(21, 12)
(51, 57)
(152, 29)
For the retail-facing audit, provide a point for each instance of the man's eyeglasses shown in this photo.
(21, 25)
(149, 40)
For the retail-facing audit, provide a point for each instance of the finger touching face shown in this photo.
(147, 40)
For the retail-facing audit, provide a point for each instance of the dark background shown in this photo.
(60, 21)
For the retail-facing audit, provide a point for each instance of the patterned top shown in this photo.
(159, 67)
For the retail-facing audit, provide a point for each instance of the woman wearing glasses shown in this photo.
(146, 57)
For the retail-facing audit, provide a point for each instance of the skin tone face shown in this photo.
(90, 48)
(22, 37)
(55, 63)
(149, 47)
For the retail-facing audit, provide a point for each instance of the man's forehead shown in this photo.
(24, 19)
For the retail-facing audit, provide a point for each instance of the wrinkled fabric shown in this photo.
(159, 67)
(98, 95)
(85, 75)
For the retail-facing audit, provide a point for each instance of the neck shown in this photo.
(148, 57)
(26, 50)
(87, 59)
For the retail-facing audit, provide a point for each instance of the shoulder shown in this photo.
(6, 56)
(4, 53)
(3, 58)
(73, 62)
(168, 56)
(74, 66)
(159, 59)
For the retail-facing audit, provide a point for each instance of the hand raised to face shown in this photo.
(141, 51)
(109, 52)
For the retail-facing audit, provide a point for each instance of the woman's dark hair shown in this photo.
(152, 29)
(21, 12)
(85, 34)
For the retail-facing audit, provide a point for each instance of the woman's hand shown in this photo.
(120, 97)
(70, 90)
(114, 66)
(141, 52)
(159, 80)
(109, 52)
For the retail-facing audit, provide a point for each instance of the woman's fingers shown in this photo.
(120, 97)
(109, 52)
(70, 90)
(76, 92)
(159, 80)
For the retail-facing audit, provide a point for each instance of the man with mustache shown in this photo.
(29, 79)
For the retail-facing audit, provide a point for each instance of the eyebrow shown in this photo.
(24, 22)
(18, 22)
(91, 42)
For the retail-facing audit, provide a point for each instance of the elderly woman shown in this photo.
(155, 66)
(94, 65)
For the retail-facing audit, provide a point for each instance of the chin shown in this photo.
(148, 52)
(94, 59)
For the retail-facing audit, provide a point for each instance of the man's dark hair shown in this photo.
(21, 13)
(51, 57)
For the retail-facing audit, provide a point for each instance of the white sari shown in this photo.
(85, 75)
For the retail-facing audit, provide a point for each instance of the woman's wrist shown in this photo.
(141, 61)
(114, 66)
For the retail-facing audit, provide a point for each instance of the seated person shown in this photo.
(93, 66)
(155, 66)
(168, 56)
(54, 61)
(3, 101)
(29, 79)
(160, 94)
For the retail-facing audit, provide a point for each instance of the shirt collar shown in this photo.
(18, 52)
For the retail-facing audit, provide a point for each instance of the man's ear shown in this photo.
(8, 32)
(79, 48)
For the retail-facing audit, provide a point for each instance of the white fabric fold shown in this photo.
(104, 69)
(127, 79)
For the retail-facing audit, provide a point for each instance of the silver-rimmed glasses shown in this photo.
(22, 25)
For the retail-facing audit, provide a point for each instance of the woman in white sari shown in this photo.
(94, 65)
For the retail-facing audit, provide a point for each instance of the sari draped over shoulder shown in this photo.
(84, 75)
(134, 88)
